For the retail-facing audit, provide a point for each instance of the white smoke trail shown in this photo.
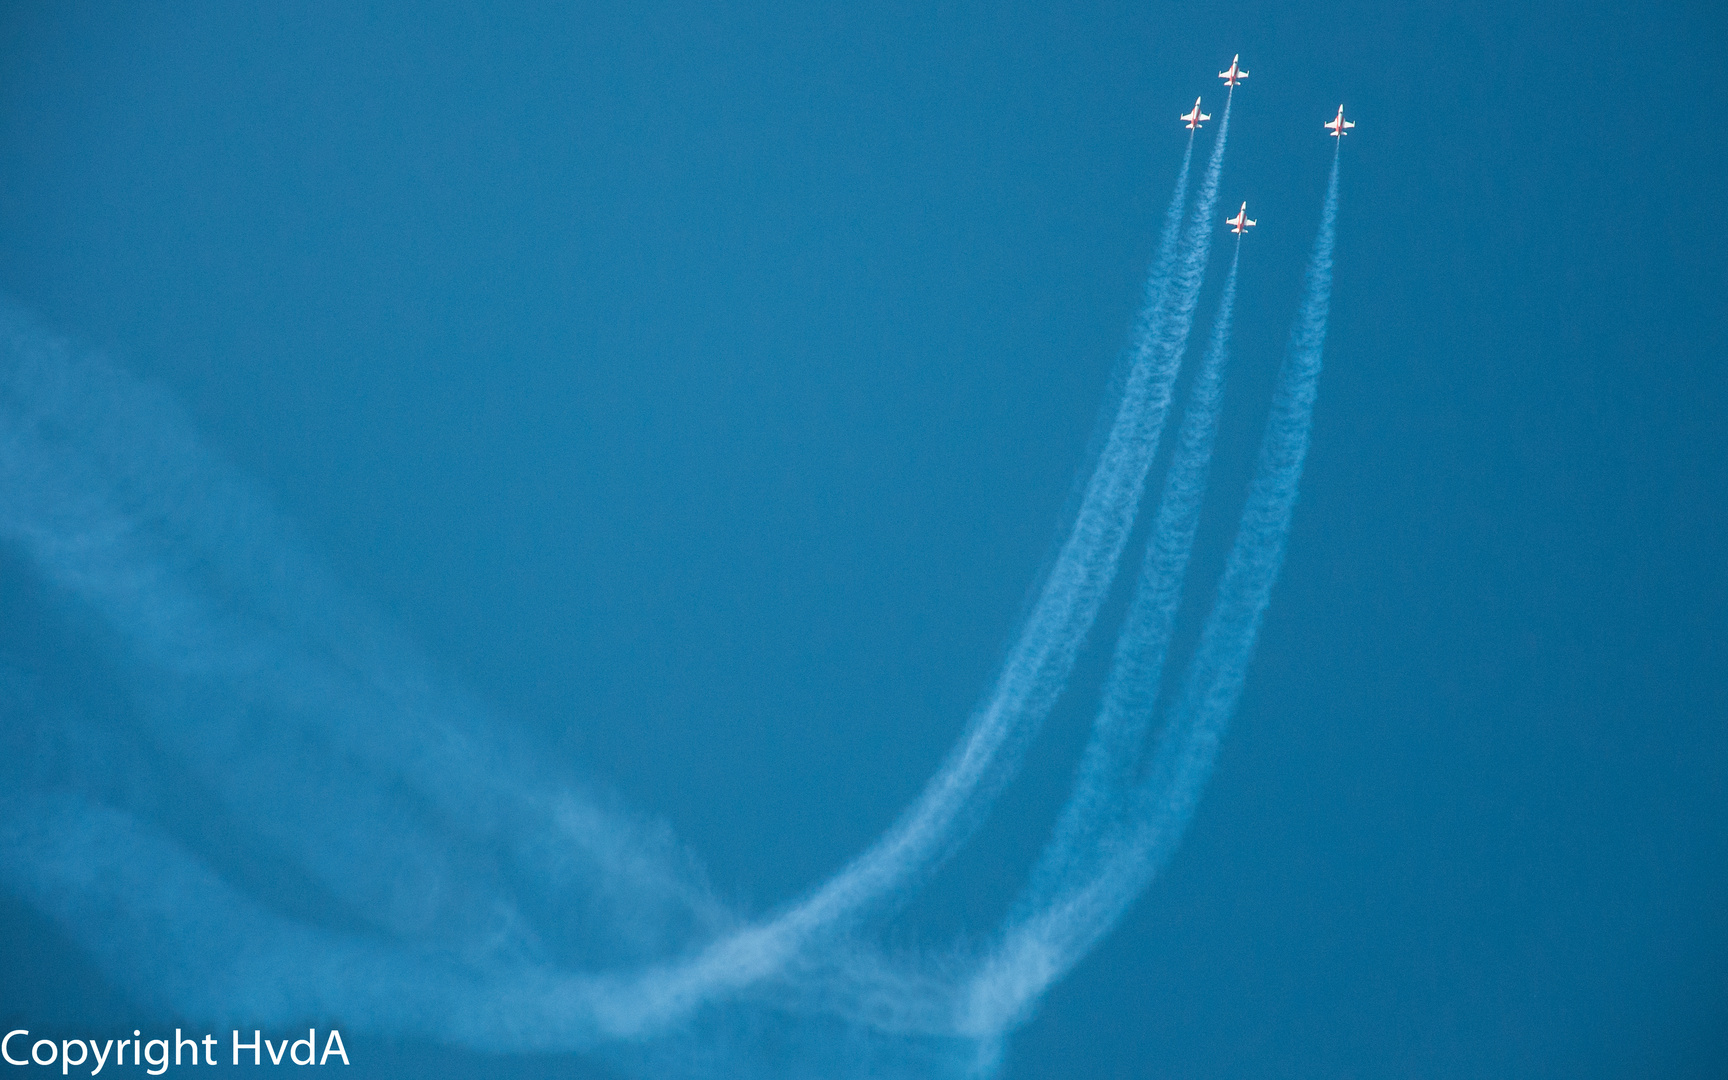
(1213, 683)
(1166, 342)
(262, 696)
(1007, 988)
(1047, 944)
(1040, 941)
(1184, 291)
(458, 890)
(1131, 691)
(1030, 679)
(298, 716)
(381, 798)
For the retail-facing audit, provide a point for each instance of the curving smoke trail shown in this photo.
(1037, 666)
(252, 802)
(294, 713)
(1032, 676)
(1166, 797)
(1044, 945)
(279, 816)
(1023, 965)
(1169, 329)
(1119, 730)
(264, 716)
(1043, 938)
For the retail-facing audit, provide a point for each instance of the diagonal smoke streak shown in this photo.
(401, 807)
(1176, 318)
(1032, 676)
(1173, 326)
(1131, 691)
(256, 673)
(494, 907)
(1011, 978)
(1044, 946)
(286, 702)
(1041, 929)
(1162, 804)
(1166, 798)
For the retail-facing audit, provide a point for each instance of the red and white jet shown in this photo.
(1194, 116)
(1338, 125)
(1241, 223)
(1235, 74)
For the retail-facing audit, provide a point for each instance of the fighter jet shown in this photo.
(1194, 116)
(1338, 125)
(1241, 223)
(1235, 74)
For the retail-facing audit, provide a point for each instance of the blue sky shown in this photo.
(701, 388)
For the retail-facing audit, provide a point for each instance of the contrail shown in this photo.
(300, 716)
(458, 893)
(1186, 469)
(1159, 808)
(1030, 679)
(1034, 944)
(1184, 292)
(1131, 691)
(1213, 683)
(1008, 980)
(283, 815)
(266, 699)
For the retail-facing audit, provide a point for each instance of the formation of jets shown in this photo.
(1233, 76)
